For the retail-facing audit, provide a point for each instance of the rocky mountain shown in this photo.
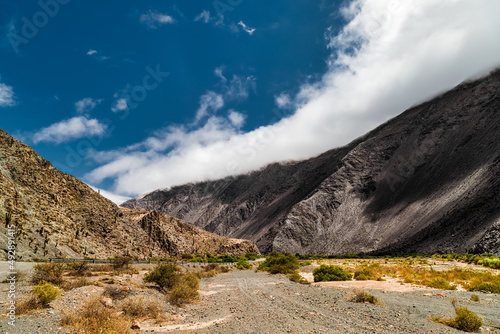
(56, 215)
(426, 181)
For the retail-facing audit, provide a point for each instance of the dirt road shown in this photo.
(249, 302)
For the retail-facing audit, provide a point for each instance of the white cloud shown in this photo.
(86, 105)
(388, 57)
(249, 30)
(205, 16)
(6, 95)
(154, 19)
(236, 118)
(70, 129)
(283, 101)
(218, 73)
(238, 88)
(211, 101)
(117, 199)
(119, 105)
(91, 52)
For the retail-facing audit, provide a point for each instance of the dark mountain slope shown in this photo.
(56, 215)
(426, 181)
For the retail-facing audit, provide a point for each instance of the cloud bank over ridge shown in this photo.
(388, 57)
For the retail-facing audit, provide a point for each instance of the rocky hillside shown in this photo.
(426, 181)
(57, 215)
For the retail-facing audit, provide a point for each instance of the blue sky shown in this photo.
(132, 96)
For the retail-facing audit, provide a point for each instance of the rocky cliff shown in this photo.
(425, 181)
(56, 215)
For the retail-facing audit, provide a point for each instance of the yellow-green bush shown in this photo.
(45, 293)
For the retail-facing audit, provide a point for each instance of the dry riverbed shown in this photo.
(256, 302)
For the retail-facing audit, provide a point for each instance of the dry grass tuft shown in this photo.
(134, 308)
(94, 317)
(361, 296)
(74, 284)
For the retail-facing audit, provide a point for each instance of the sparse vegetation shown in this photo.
(115, 292)
(363, 275)
(78, 268)
(164, 275)
(297, 278)
(330, 273)
(48, 272)
(243, 265)
(94, 317)
(138, 307)
(441, 283)
(185, 291)
(361, 296)
(465, 320)
(41, 295)
(474, 298)
(280, 264)
(74, 284)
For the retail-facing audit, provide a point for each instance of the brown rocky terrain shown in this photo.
(425, 181)
(56, 215)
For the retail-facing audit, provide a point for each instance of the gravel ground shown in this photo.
(250, 302)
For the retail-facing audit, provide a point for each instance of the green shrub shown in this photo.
(486, 287)
(164, 275)
(242, 265)
(227, 259)
(305, 263)
(185, 291)
(251, 256)
(441, 283)
(465, 320)
(474, 298)
(330, 273)
(297, 278)
(187, 256)
(198, 259)
(45, 293)
(279, 264)
(363, 275)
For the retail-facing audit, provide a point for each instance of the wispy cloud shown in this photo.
(154, 19)
(203, 16)
(384, 60)
(119, 104)
(86, 105)
(70, 129)
(246, 28)
(6, 95)
(210, 101)
(95, 54)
